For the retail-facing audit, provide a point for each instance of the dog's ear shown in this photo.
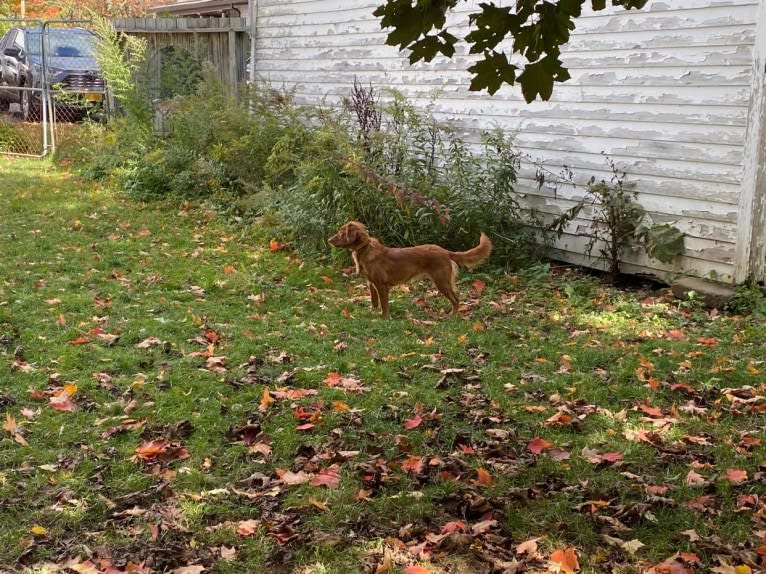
(351, 233)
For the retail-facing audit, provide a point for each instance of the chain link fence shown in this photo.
(49, 77)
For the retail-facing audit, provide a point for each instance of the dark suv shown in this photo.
(73, 78)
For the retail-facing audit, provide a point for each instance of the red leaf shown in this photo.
(537, 445)
(413, 422)
(710, 341)
(81, 340)
(651, 411)
(611, 456)
(329, 477)
(416, 569)
(454, 526)
(60, 401)
(478, 286)
(675, 334)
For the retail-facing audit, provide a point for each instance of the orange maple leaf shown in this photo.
(566, 560)
(152, 449)
(483, 477)
(413, 464)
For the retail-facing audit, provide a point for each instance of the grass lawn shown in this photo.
(179, 393)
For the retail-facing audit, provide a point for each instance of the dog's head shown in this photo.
(351, 235)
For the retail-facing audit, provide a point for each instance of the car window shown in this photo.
(18, 40)
(64, 42)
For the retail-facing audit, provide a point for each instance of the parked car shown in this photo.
(74, 78)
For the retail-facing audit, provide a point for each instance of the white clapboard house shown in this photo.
(673, 94)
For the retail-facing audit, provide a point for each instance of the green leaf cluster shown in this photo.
(532, 33)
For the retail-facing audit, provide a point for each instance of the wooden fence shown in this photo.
(222, 42)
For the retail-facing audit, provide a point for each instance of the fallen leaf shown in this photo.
(694, 479)
(59, 401)
(266, 400)
(248, 527)
(413, 465)
(566, 560)
(454, 526)
(483, 477)
(537, 445)
(413, 422)
(528, 546)
(735, 475)
(329, 477)
(228, 554)
(292, 478)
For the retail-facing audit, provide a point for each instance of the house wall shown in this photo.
(664, 92)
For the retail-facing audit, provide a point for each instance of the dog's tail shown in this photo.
(474, 256)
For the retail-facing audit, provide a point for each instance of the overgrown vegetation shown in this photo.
(306, 170)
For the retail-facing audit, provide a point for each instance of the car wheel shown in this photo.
(30, 107)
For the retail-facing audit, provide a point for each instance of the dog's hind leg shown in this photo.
(374, 297)
(448, 287)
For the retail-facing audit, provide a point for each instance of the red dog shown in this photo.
(383, 267)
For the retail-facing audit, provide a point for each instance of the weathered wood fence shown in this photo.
(223, 42)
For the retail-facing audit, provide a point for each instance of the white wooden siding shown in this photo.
(665, 92)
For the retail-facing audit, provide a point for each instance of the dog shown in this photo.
(383, 267)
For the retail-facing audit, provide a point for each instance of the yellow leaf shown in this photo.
(743, 569)
(266, 400)
(38, 530)
(319, 504)
(10, 423)
(70, 389)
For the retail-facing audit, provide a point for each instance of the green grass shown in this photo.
(86, 275)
